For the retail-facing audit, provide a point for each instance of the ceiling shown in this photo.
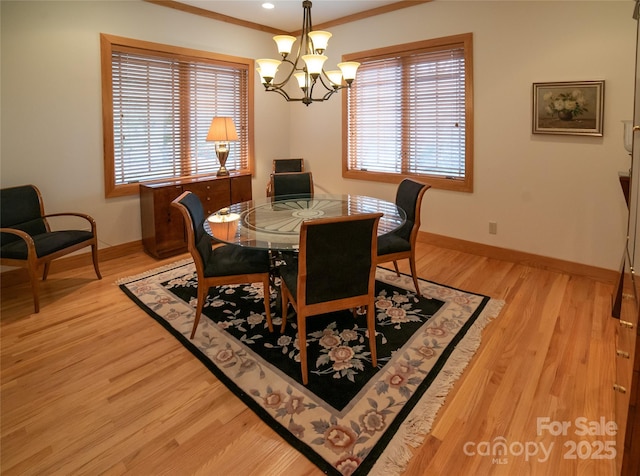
(287, 14)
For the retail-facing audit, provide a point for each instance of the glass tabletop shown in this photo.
(275, 225)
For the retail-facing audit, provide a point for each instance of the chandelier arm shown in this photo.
(280, 91)
(328, 95)
(330, 86)
(293, 70)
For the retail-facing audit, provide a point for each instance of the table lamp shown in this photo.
(222, 131)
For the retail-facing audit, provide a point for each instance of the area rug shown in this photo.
(352, 418)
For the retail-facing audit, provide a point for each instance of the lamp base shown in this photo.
(222, 153)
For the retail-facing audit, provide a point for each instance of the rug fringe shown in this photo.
(151, 272)
(411, 434)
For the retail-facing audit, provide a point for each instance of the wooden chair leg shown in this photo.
(45, 272)
(285, 309)
(371, 327)
(33, 277)
(302, 343)
(202, 294)
(412, 264)
(395, 265)
(266, 293)
(94, 253)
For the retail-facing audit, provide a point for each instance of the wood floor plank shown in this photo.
(93, 385)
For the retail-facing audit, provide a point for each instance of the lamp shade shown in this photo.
(320, 39)
(222, 129)
(285, 43)
(349, 69)
(314, 63)
(268, 68)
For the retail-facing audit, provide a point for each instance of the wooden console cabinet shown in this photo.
(163, 231)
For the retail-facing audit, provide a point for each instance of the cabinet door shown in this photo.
(163, 231)
(241, 189)
(214, 194)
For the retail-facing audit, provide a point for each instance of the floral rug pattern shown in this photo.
(351, 418)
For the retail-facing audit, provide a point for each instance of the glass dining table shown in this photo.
(270, 224)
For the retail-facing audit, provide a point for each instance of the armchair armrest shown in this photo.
(89, 218)
(31, 246)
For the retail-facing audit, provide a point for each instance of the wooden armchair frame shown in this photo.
(33, 261)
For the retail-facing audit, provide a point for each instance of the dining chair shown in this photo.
(287, 165)
(281, 166)
(332, 273)
(222, 264)
(291, 185)
(27, 240)
(401, 243)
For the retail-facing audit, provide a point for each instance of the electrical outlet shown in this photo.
(493, 228)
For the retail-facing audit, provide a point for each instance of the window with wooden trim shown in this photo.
(158, 102)
(410, 114)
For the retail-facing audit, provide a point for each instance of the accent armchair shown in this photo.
(220, 264)
(332, 273)
(26, 238)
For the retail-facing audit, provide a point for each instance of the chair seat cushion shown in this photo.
(392, 243)
(228, 260)
(45, 243)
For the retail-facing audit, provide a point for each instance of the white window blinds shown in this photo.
(407, 112)
(161, 106)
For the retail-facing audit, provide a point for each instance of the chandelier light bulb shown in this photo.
(349, 69)
(314, 64)
(335, 76)
(302, 80)
(320, 40)
(285, 44)
(267, 69)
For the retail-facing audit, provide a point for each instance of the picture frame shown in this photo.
(568, 107)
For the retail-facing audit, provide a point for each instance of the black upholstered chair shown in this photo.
(332, 273)
(221, 264)
(283, 166)
(291, 185)
(27, 240)
(288, 165)
(400, 244)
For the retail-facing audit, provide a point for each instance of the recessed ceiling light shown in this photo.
(268, 6)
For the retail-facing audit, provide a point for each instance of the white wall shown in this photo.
(556, 196)
(51, 98)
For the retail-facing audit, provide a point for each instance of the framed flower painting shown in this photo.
(569, 107)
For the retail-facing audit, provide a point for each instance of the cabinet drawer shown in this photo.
(214, 195)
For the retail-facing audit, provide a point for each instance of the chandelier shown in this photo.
(308, 66)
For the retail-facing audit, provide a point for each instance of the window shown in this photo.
(410, 114)
(158, 102)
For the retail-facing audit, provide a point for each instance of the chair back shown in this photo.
(21, 208)
(337, 258)
(409, 198)
(288, 165)
(199, 241)
(291, 185)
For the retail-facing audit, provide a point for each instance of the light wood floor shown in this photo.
(92, 385)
